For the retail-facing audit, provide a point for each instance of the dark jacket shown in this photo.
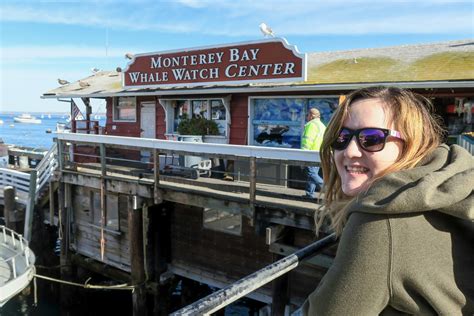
(408, 245)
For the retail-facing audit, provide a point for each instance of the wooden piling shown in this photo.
(66, 293)
(31, 206)
(9, 211)
(137, 260)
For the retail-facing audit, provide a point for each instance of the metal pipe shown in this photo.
(242, 287)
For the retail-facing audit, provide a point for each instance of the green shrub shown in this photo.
(198, 126)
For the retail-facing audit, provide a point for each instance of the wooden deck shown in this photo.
(289, 206)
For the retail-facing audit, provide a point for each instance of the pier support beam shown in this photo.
(67, 293)
(10, 213)
(137, 260)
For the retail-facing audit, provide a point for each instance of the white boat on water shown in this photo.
(26, 118)
(16, 264)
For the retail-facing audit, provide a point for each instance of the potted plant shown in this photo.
(198, 126)
(193, 130)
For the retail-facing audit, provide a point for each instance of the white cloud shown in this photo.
(305, 17)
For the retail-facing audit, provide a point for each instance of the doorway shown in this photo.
(147, 126)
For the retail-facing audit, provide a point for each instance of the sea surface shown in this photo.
(32, 135)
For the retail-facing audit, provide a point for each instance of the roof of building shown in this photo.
(436, 63)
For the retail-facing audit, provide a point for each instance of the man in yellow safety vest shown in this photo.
(311, 140)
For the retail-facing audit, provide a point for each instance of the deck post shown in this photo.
(137, 260)
(281, 285)
(156, 172)
(52, 205)
(31, 206)
(11, 220)
(162, 245)
(103, 199)
(66, 293)
(253, 187)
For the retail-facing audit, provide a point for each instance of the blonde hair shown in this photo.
(419, 127)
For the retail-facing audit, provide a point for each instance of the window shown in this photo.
(181, 111)
(279, 122)
(218, 114)
(200, 108)
(125, 109)
(222, 221)
(213, 109)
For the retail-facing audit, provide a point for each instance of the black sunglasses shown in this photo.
(371, 139)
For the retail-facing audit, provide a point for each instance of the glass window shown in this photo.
(125, 109)
(218, 115)
(222, 221)
(279, 122)
(326, 107)
(181, 111)
(208, 109)
(200, 108)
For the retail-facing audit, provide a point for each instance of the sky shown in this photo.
(42, 41)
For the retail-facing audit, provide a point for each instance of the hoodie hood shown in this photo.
(443, 181)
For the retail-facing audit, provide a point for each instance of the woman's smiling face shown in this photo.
(355, 166)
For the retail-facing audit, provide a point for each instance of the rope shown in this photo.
(86, 284)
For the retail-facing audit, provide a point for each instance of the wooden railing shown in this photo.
(17, 179)
(104, 151)
(85, 127)
(28, 186)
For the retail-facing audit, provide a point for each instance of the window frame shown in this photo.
(169, 107)
(115, 102)
(250, 128)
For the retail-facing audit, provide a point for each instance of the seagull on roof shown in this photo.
(84, 84)
(129, 55)
(266, 30)
(62, 82)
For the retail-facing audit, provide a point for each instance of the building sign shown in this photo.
(259, 61)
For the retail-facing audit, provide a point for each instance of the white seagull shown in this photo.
(266, 30)
(62, 82)
(129, 56)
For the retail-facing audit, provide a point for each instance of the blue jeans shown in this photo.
(314, 181)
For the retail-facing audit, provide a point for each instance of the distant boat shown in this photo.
(26, 118)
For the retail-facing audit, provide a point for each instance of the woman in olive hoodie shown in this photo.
(403, 206)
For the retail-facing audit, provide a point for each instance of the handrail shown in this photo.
(46, 168)
(242, 287)
(287, 154)
(19, 180)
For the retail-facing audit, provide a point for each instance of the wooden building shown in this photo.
(126, 204)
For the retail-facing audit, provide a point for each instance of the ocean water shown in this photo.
(30, 135)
